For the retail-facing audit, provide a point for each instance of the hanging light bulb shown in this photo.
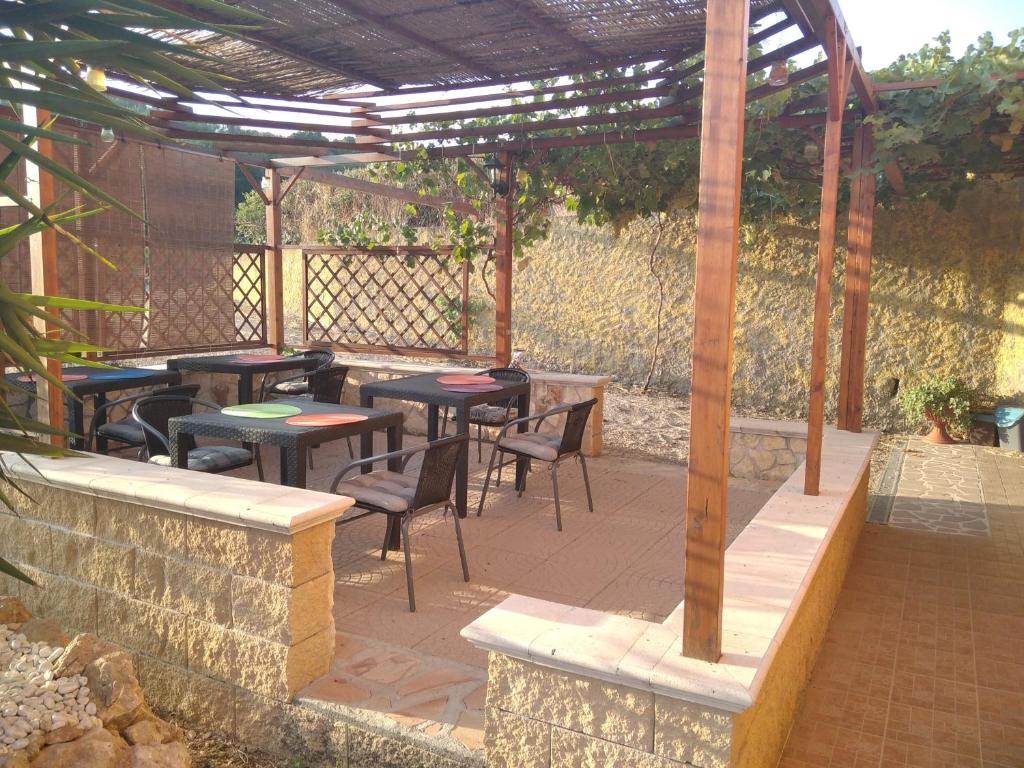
(96, 77)
(107, 135)
(811, 152)
(778, 75)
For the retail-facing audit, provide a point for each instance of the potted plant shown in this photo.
(945, 402)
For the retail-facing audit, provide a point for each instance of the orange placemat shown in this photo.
(66, 377)
(463, 380)
(259, 358)
(324, 419)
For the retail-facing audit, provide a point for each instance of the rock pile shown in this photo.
(74, 703)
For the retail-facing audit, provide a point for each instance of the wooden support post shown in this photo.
(838, 84)
(41, 190)
(274, 262)
(721, 162)
(504, 239)
(858, 283)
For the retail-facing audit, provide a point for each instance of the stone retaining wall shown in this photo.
(761, 449)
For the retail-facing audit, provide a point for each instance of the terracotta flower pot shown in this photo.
(939, 434)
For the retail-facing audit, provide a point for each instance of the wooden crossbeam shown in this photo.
(552, 28)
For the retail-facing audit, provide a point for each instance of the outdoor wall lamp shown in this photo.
(107, 135)
(496, 175)
(778, 75)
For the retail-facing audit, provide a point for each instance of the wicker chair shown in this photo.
(403, 497)
(491, 414)
(300, 384)
(152, 413)
(550, 449)
(128, 431)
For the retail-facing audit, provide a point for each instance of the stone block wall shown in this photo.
(760, 449)
(227, 618)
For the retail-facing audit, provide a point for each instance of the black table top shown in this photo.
(238, 364)
(278, 431)
(106, 380)
(424, 388)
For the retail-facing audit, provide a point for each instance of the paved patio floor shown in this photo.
(923, 664)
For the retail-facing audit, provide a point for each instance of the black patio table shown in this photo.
(243, 367)
(98, 383)
(294, 441)
(425, 388)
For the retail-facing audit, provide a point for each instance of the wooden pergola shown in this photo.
(376, 73)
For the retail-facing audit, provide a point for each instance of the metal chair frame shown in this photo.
(326, 361)
(425, 500)
(189, 390)
(505, 374)
(569, 448)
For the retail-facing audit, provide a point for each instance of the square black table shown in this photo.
(293, 441)
(424, 388)
(239, 366)
(98, 383)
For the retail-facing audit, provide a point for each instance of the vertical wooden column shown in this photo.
(858, 283)
(838, 83)
(721, 161)
(274, 262)
(504, 237)
(41, 190)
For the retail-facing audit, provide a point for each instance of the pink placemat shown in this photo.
(467, 388)
(460, 379)
(259, 358)
(324, 419)
(29, 378)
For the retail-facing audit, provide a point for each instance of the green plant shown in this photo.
(53, 57)
(946, 399)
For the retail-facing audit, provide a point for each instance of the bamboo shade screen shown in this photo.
(177, 258)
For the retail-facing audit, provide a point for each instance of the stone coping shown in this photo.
(231, 500)
(409, 369)
(768, 569)
(753, 426)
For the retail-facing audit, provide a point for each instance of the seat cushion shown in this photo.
(290, 388)
(383, 489)
(124, 431)
(543, 447)
(211, 458)
(489, 414)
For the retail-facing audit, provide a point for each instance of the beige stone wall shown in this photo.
(765, 455)
(224, 621)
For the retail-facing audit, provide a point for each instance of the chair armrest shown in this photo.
(539, 418)
(405, 454)
(93, 426)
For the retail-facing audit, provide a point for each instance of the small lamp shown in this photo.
(811, 152)
(97, 78)
(107, 135)
(496, 175)
(778, 75)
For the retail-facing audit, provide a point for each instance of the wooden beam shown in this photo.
(558, 142)
(257, 187)
(40, 187)
(274, 263)
(291, 183)
(383, 190)
(858, 283)
(835, 47)
(552, 28)
(504, 243)
(714, 309)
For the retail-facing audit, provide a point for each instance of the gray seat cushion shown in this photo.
(125, 431)
(291, 387)
(543, 447)
(489, 414)
(383, 489)
(211, 458)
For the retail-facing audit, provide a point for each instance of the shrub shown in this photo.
(947, 399)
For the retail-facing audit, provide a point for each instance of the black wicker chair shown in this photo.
(551, 449)
(491, 414)
(404, 497)
(300, 384)
(153, 413)
(128, 431)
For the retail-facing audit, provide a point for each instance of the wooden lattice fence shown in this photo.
(403, 300)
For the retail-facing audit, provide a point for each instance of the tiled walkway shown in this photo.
(923, 664)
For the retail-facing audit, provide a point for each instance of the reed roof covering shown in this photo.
(311, 47)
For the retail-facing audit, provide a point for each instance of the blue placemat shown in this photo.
(122, 373)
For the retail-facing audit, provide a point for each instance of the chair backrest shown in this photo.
(438, 471)
(188, 390)
(516, 375)
(323, 357)
(154, 412)
(327, 384)
(575, 424)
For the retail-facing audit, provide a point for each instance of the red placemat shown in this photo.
(324, 419)
(460, 380)
(29, 378)
(467, 388)
(259, 358)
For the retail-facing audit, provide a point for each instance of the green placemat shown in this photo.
(262, 410)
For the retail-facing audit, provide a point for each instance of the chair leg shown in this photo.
(487, 482)
(558, 506)
(480, 442)
(408, 562)
(387, 538)
(259, 462)
(309, 454)
(351, 452)
(462, 547)
(444, 422)
(586, 482)
(501, 465)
